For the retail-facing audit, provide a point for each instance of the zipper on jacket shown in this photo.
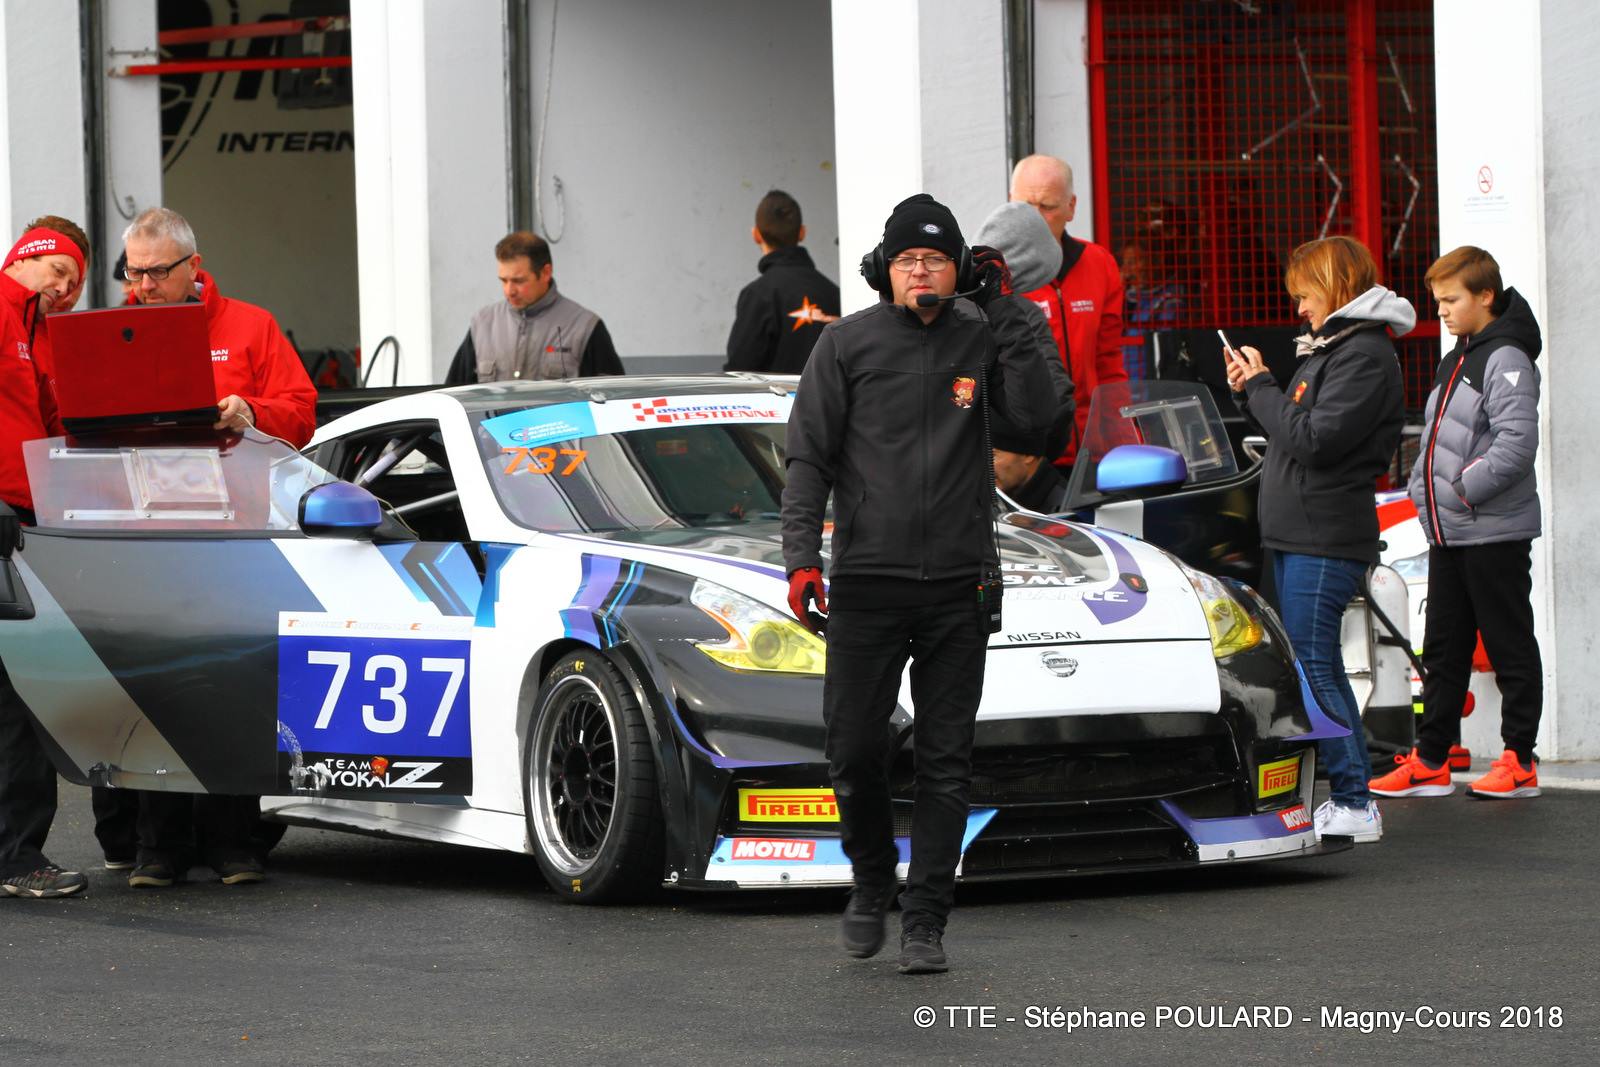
(922, 526)
(1433, 441)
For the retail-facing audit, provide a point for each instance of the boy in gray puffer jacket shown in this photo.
(1475, 492)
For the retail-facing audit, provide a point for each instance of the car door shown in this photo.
(1210, 520)
(189, 633)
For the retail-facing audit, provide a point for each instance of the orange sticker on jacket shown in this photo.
(1299, 391)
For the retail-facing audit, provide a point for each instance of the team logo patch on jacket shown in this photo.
(961, 392)
(808, 313)
(1299, 391)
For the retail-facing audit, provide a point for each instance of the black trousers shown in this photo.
(116, 821)
(867, 653)
(184, 828)
(27, 786)
(1487, 589)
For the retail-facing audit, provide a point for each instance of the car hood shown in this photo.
(1065, 582)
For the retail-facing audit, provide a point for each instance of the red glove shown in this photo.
(805, 588)
(993, 274)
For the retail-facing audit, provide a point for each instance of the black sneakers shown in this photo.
(861, 932)
(239, 870)
(47, 881)
(922, 950)
(153, 874)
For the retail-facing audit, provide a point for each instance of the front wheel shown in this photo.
(589, 785)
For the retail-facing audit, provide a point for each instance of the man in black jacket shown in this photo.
(889, 418)
(780, 314)
(1023, 473)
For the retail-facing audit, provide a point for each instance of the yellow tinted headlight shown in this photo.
(759, 637)
(1233, 628)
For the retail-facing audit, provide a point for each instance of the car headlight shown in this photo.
(759, 638)
(1233, 628)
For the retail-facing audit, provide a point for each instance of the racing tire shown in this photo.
(589, 785)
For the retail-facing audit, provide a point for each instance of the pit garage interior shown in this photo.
(350, 163)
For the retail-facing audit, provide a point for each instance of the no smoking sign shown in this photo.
(1485, 179)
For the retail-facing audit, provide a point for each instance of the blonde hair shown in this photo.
(1338, 269)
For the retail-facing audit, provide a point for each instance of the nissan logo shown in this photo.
(1059, 665)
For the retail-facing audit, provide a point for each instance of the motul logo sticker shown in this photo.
(773, 848)
(1295, 818)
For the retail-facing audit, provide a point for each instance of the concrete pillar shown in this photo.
(1517, 161)
(429, 93)
(41, 106)
(919, 106)
(1570, 38)
(132, 117)
(1061, 97)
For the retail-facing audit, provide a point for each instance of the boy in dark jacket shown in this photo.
(1473, 485)
(781, 314)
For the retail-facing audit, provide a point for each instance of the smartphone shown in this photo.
(1227, 345)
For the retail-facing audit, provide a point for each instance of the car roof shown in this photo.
(497, 396)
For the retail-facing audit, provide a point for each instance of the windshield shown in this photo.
(638, 465)
(159, 482)
(1173, 414)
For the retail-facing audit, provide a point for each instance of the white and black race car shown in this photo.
(550, 618)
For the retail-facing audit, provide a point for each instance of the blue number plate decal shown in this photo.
(371, 708)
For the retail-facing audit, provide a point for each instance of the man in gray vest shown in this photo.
(535, 332)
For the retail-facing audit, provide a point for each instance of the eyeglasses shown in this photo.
(932, 264)
(159, 274)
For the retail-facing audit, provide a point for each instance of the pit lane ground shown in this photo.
(362, 950)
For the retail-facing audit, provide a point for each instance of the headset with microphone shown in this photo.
(875, 272)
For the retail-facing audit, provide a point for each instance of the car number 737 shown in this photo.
(392, 718)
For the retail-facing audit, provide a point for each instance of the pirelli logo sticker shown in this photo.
(1280, 776)
(787, 805)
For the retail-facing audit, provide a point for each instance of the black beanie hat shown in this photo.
(921, 222)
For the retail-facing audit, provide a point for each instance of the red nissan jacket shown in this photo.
(1084, 308)
(251, 358)
(27, 405)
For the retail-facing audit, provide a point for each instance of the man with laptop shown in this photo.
(43, 270)
(259, 381)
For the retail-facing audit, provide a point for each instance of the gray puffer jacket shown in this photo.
(1473, 483)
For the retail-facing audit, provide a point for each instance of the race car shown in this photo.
(551, 618)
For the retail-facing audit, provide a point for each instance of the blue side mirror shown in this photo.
(339, 509)
(1129, 468)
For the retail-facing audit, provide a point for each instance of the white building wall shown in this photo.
(1518, 158)
(429, 94)
(919, 92)
(132, 112)
(43, 105)
(666, 123)
(1570, 40)
(1061, 97)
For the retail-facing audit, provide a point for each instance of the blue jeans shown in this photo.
(1313, 592)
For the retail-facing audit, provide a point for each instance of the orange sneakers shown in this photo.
(1507, 779)
(1413, 778)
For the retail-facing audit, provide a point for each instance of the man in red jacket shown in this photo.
(260, 379)
(260, 382)
(42, 271)
(1084, 302)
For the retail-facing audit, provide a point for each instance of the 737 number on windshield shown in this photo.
(544, 460)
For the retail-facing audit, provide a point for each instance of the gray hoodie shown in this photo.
(1033, 255)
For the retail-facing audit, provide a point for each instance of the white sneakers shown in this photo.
(1364, 825)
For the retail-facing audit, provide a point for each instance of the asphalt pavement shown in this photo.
(1475, 924)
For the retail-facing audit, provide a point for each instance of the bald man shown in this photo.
(1083, 302)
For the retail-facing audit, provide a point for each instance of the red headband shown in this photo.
(40, 241)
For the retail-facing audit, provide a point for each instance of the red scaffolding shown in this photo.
(1223, 134)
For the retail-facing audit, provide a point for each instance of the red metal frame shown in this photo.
(1223, 135)
(1099, 142)
(210, 66)
(275, 28)
(1366, 193)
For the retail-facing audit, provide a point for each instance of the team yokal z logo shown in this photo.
(371, 773)
(961, 392)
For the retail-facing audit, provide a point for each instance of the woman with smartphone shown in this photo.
(1331, 434)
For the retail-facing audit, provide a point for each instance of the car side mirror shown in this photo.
(339, 509)
(1129, 469)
